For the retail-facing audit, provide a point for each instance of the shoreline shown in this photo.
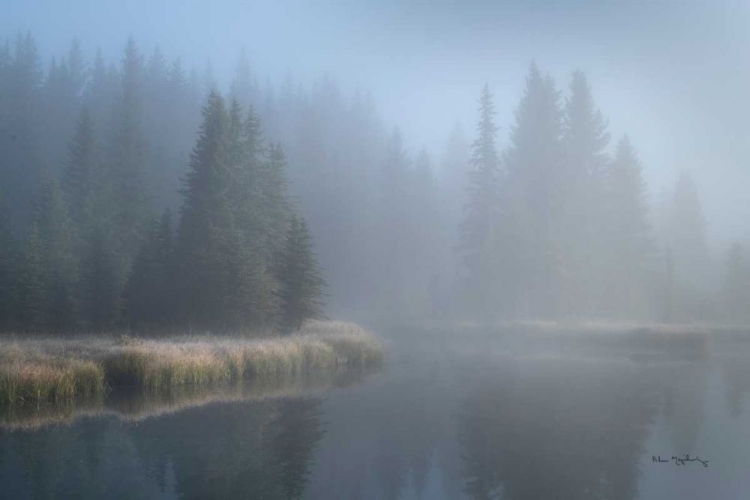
(59, 369)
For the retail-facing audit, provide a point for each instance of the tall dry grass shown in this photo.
(63, 369)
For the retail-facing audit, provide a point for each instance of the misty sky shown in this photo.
(675, 76)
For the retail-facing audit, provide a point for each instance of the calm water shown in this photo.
(439, 421)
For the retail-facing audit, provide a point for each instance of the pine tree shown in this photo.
(30, 286)
(8, 268)
(273, 202)
(301, 281)
(244, 87)
(80, 175)
(148, 292)
(392, 251)
(735, 293)
(129, 156)
(206, 223)
(584, 142)
(480, 225)
(534, 176)
(58, 246)
(100, 283)
(631, 249)
(686, 234)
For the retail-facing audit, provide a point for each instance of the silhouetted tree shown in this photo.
(584, 143)
(480, 229)
(533, 162)
(631, 249)
(301, 283)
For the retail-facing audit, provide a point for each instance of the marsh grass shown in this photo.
(84, 367)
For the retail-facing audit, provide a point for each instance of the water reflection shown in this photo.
(556, 429)
(434, 424)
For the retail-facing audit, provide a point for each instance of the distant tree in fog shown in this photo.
(479, 226)
(535, 174)
(584, 145)
(686, 234)
(736, 285)
(631, 247)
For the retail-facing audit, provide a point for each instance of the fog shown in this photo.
(333, 81)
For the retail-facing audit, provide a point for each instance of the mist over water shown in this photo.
(539, 208)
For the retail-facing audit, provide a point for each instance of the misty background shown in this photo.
(358, 94)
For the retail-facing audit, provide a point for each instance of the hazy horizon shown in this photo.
(668, 75)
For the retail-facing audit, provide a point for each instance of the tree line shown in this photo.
(561, 225)
(549, 220)
(95, 256)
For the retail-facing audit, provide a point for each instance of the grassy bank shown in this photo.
(59, 369)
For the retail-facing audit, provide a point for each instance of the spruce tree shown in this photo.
(533, 162)
(30, 286)
(735, 292)
(301, 281)
(80, 174)
(584, 143)
(100, 283)
(129, 156)
(686, 234)
(8, 268)
(148, 293)
(630, 244)
(205, 221)
(58, 246)
(273, 202)
(480, 225)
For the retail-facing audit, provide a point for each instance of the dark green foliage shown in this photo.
(149, 294)
(129, 155)
(8, 268)
(80, 178)
(91, 260)
(301, 281)
(58, 245)
(30, 291)
(100, 285)
(227, 223)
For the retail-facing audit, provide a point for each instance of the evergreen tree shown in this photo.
(631, 250)
(148, 293)
(205, 218)
(228, 285)
(58, 247)
(80, 174)
(301, 281)
(584, 141)
(101, 289)
(129, 155)
(273, 203)
(393, 250)
(735, 293)
(244, 86)
(533, 164)
(30, 287)
(8, 268)
(480, 226)
(686, 235)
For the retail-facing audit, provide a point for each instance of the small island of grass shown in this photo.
(55, 369)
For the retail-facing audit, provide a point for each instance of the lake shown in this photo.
(445, 418)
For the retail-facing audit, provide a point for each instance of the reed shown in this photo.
(54, 369)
